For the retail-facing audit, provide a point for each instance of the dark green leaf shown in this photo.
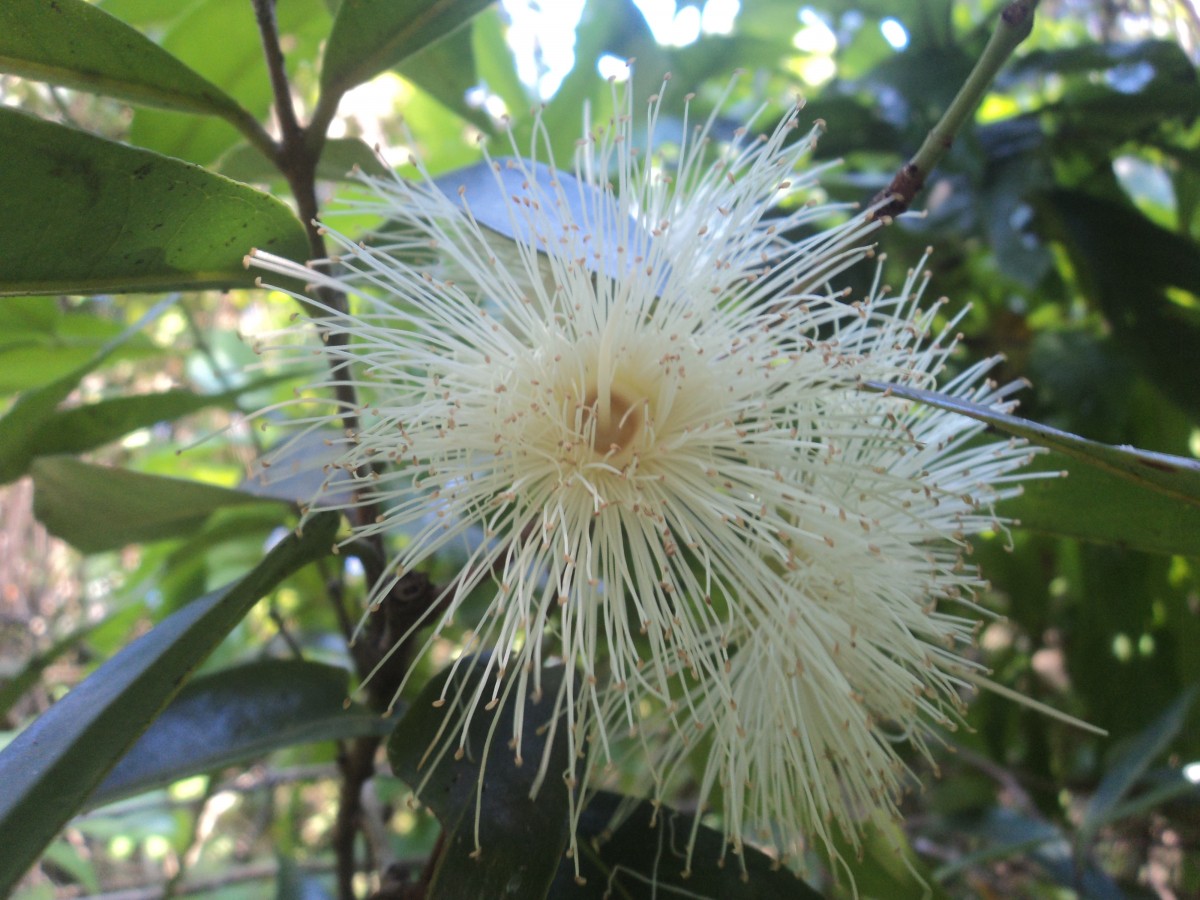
(15, 687)
(1144, 278)
(372, 35)
(1133, 763)
(49, 769)
(83, 215)
(1094, 505)
(1113, 91)
(521, 840)
(97, 508)
(238, 714)
(1173, 476)
(641, 858)
(20, 427)
(1007, 833)
(71, 42)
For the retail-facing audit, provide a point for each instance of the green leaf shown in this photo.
(1132, 763)
(1172, 476)
(372, 35)
(446, 71)
(1094, 505)
(15, 687)
(238, 714)
(97, 508)
(293, 883)
(220, 39)
(84, 215)
(884, 865)
(72, 43)
(20, 427)
(521, 840)
(1144, 278)
(494, 59)
(49, 769)
(42, 339)
(603, 27)
(641, 858)
(1009, 834)
(92, 425)
(339, 157)
(1111, 92)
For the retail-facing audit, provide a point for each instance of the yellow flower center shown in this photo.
(613, 425)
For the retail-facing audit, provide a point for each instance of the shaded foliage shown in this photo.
(1067, 213)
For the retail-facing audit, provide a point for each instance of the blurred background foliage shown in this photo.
(1067, 215)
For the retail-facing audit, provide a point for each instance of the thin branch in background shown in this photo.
(335, 591)
(284, 634)
(1014, 25)
(356, 762)
(200, 342)
(289, 125)
(61, 105)
(201, 827)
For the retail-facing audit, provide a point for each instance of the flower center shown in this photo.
(614, 425)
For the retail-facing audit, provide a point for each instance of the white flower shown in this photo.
(652, 404)
(860, 647)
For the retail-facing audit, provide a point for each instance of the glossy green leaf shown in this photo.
(521, 840)
(97, 508)
(51, 767)
(641, 858)
(239, 714)
(1095, 505)
(84, 215)
(23, 422)
(72, 43)
(372, 35)
(1172, 476)
(1144, 278)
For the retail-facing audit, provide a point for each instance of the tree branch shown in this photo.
(1016, 22)
(268, 29)
(296, 157)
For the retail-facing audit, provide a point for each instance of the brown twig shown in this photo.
(1015, 24)
(296, 156)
